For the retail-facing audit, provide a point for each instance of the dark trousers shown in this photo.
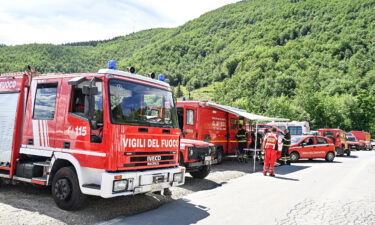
(241, 146)
(285, 155)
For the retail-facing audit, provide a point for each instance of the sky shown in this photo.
(63, 21)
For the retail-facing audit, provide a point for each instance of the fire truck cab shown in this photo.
(108, 134)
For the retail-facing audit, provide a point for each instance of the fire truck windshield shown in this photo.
(137, 104)
(352, 139)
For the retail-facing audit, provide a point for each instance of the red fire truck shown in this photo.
(364, 139)
(89, 134)
(197, 157)
(338, 138)
(353, 143)
(207, 122)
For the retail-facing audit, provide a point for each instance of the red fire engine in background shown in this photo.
(364, 139)
(89, 134)
(338, 138)
(210, 122)
(353, 142)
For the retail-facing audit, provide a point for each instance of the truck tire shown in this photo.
(65, 189)
(294, 156)
(348, 152)
(339, 151)
(202, 172)
(219, 155)
(330, 156)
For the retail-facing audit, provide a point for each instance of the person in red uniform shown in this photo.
(270, 147)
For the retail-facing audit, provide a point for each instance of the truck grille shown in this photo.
(198, 153)
(144, 158)
(140, 159)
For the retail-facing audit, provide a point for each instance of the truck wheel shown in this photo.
(65, 189)
(202, 172)
(220, 155)
(348, 152)
(339, 151)
(330, 156)
(294, 156)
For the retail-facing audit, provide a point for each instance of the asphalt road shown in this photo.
(308, 192)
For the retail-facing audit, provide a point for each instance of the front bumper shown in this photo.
(206, 162)
(140, 181)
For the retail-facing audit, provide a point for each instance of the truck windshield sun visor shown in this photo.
(137, 104)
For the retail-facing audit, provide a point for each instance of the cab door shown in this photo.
(308, 147)
(75, 133)
(232, 132)
(41, 116)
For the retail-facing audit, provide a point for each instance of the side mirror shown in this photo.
(303, 144)
(183, 133)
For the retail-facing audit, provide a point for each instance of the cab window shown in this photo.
(328, 133)
(190, 117)
(295, 130)
(79, 102)
(45, 101)
(309, 141)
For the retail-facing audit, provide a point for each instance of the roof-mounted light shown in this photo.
(161, 77)
(112, 64)
(130, 69)
(184, 98)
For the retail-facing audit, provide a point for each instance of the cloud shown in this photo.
(45, 21)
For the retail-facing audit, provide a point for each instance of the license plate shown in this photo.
(156, 186)
(158, 179)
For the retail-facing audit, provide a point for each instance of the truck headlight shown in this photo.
(120, 185)
(178, 177)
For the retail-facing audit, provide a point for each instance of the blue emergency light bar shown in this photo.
(161, 77)
(112, 64)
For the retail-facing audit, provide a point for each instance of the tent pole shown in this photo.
(256, 139)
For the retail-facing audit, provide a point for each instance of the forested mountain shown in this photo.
(301, 59)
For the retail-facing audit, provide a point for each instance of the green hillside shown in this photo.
(306, 60)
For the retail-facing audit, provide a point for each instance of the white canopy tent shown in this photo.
(243, 113)
(249, 116)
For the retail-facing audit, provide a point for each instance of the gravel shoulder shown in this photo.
(31, 204)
